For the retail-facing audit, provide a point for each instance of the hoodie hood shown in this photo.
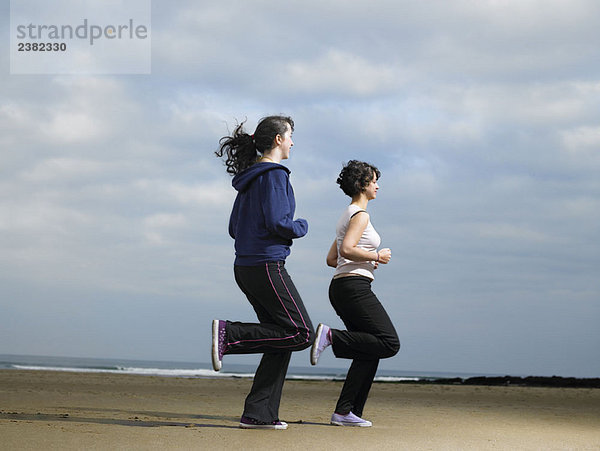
(242, 180)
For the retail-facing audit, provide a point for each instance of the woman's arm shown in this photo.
(332, 255)
(277, 206)
(349, 248)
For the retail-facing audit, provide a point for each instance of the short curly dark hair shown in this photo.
(356, 176)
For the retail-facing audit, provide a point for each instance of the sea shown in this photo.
(201, 370)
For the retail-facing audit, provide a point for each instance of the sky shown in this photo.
(482, 116)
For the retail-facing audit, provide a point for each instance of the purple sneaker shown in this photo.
(251, 423)
(349, 420)
(322, 340)
(219, 343)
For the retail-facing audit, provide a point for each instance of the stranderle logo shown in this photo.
(82, 37)
(84, 31)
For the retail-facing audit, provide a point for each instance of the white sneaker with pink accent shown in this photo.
(349, 420)
(322, 341)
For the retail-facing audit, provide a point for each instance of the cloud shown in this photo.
(582, 147)
(62, 169)
(482, 117)
(158, 225)
(342, 73)
(510, 232)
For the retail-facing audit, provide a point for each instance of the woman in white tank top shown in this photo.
(368, 241)
(370, 334)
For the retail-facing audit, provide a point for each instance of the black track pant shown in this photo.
(370, 336)
(284, 327)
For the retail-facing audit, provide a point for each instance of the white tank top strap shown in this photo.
(357, 212)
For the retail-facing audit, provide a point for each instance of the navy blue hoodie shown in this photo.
(262, 220)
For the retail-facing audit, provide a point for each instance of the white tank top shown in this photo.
(369, 241)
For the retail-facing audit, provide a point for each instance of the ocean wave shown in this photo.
(163, 372)
(204, 370)
(194, 373)
(396, 379)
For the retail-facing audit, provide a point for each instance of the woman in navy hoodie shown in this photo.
(263, 227)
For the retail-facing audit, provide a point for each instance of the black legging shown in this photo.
(370, 336)
(284, 327)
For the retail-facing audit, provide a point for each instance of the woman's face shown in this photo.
(286, 143)
(371, 189)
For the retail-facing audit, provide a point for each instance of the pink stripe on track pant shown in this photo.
(284, 326)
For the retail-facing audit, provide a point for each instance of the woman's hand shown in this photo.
(385, 255)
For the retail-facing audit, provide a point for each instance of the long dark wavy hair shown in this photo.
(241, 149)
(356, 176)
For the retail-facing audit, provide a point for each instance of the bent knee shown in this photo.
(392, 348)
(309, 336)
(304, 339)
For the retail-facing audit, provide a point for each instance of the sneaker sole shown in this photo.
(264, 426)
(360, 425)
(215, 345)
(313, 351)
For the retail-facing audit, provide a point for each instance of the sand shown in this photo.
(59, 410)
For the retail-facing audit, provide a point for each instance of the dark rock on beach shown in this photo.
(529, 381)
